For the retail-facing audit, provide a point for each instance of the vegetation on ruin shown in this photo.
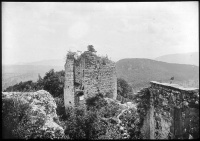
(91, 48)
(70, 55)
(143, 104)
(99, 121)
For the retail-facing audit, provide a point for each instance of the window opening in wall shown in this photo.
(81, 97)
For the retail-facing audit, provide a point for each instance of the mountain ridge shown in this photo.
(139, 72)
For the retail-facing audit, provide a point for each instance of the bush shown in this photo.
(30, 115)
(123, 88)
(85, 123)
(96, 102)
(53, 82)
(14, 114)
(60, 110)
(110, 110)
(132, 122)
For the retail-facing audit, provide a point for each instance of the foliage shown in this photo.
(131, 120)
(85, 123)
(143, 103)
(112, 132)
(110, 110)
(30, 115)
(60, 110)
(88, 122)
(96, 102)
(123, 88)
(13, 111)
(91, 48)
(53, 82)
(70, 55)
(27, 86)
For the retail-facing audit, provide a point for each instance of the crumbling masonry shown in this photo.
(87, 75)
(173, 112)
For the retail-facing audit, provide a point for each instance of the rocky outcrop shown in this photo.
(30, 115)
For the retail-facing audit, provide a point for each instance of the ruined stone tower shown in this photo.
(87, 75)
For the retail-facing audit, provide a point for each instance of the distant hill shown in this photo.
(139, 72)
(186, 58)
(56, 62)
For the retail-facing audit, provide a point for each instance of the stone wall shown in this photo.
(173, 112)
(88, 75)
(69, 91)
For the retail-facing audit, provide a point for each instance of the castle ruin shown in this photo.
(87, 75)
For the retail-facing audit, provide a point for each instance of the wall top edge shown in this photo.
(176, 86)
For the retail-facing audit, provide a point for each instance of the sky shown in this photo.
(34, 31)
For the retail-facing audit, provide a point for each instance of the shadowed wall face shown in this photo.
(173, 112)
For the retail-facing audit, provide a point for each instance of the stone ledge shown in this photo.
(175, 86)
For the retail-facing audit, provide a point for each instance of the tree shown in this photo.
(70, 55)
(26, 86)
(91, 48)
(54, 82)
(123, 88)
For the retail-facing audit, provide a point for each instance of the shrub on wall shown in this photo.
(143, 105)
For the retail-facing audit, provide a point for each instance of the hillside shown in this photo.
(186, 58)
(56, 62)
(139, 72)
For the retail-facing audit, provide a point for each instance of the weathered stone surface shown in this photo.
(92, 75)
(173, 107)
(38, 118)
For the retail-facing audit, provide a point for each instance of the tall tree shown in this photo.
(91, 48)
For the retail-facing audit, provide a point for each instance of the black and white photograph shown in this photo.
(100, 70)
